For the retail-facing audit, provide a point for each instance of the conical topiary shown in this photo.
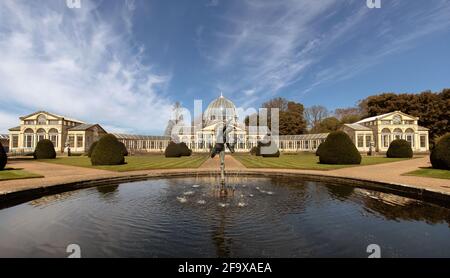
(339, 149)
(108, 151)
(44, 150)
(440, 155)
(400, 149)
(3, 157)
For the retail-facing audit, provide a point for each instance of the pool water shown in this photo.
(262, 217)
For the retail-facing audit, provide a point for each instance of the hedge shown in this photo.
(319, 149)
(124, 149)
(44, 150)
(108, 151)
(3, 157)
(91, 149)
(172, 150)
(400, 149)
(440, 155)
(339, 149)
(184, 150)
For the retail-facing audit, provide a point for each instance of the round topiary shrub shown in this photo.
(3, 157)
(254, 151)
(108, 152)
(124, 149)
(172, 150)
(184, 150)
(339, 149)
(91, 149)
(44, 150)
(400, 149)
(319, 149)
(440, 155)
(272, 151)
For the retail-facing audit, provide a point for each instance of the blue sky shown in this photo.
(122, 63)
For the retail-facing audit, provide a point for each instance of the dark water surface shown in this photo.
(266, 217)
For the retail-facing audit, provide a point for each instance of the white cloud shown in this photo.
(271, 45)
(73, 62)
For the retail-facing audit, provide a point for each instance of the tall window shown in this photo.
(409, 136)
(385, 138)
(368, 140)
(79, 141)
(423, 141)
(42, 120)
(398, 134)
(360, 141)
(15, 141)
(28, 138)
(40, 134)
(53, 136)
(71, 141)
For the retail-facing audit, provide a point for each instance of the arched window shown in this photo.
(53, 135)
(409, 136)
(42, 120)
(386, 137)
(40, 134)
(397, 120)
(28, 138)
(398, 134)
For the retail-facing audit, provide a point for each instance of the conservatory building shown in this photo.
(374, 133)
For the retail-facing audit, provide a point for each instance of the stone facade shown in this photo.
(374, 133)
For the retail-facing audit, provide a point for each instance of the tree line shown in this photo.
(433, 110)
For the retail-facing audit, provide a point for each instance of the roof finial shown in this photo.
(221, 94)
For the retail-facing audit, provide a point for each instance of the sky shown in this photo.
(123, 63)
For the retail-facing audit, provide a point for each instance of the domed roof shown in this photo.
(220, 109)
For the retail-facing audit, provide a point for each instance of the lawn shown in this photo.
(135, 163)
(17, 174)
(431, 173)
(305, 161)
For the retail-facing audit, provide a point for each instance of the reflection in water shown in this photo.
(264, 217)
(108, 189)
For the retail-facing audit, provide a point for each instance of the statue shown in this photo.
(223, 141)
(223, 133)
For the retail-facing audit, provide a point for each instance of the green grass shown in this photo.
(305, 161)
(17, 174)
(136, 163)
(430, 173)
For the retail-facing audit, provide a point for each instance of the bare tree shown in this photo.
(315, 114)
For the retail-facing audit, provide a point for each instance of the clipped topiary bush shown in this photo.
(124, 149)
(319, 149)
(400, 149)
(273, 151)
(3, 157)
(44, 150)
(254, 151)
(440, 155)
(339, 149)
(108, 152)
(172, 150)
(184, 150)
(91, 149)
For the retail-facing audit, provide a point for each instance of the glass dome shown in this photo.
(219, 110)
